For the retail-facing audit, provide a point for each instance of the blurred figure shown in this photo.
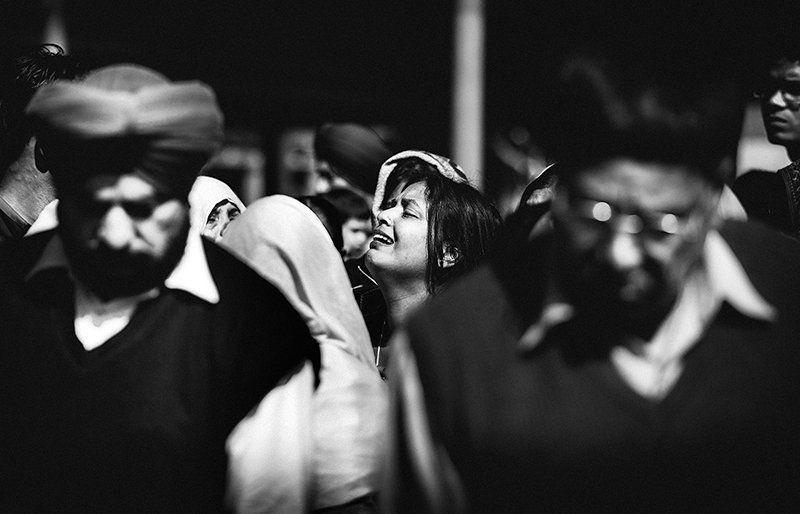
(431, 227)
(128, 353)
(774, 198)
(640, 354)
(297, 164)
(24, 189)
(353, 152)
(328, 214)
(357, 225)
(213, 206)
(309, 447)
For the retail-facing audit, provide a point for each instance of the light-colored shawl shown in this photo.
(326, 442)
(205, 194)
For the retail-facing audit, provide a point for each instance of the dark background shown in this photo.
(276, 63)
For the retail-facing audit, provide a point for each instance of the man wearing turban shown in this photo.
(129, 351)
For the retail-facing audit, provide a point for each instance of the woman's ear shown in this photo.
(450, 256)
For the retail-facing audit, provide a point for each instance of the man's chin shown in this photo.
(109, 287)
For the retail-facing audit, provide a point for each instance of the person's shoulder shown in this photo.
(18, 256)
(770, 258)
(467, 317)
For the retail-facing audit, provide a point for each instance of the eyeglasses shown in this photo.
(789, 89)
(652, 225)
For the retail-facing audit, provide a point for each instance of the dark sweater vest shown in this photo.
(140, 422)
(558, 429)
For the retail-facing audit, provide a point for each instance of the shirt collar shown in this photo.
(191, 275)
(726, 278)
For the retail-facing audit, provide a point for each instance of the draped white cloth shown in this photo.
(327, 442)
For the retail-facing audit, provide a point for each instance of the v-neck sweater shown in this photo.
(140, 422)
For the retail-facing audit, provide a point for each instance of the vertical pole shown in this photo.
(55, 30)
(467, 116)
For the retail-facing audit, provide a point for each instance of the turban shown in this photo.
(127, 119)
(443, 165)
(354, 152)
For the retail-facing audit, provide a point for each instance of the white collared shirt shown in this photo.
(652, 367)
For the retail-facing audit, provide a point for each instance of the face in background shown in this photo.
(356, 234)
(122, 237)
(780, 104)
(628, 234)
(221, 215)
(399, 246)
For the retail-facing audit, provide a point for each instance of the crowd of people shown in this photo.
(626, 339)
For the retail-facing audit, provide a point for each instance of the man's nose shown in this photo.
(116, 230)
(777, 98)
(623, 251)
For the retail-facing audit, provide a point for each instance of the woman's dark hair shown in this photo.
(460, 220)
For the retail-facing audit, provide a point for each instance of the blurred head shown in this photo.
(328, 215)
(429, 227)
(634, 204)
(125, 145)
(20, 76)
(357, 225)
(778, 91)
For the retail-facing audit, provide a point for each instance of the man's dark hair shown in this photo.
(349, 203)
(460, 218)
(20, 76)
(668, 109)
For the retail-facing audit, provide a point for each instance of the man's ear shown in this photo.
(451, 256)
(40, 159)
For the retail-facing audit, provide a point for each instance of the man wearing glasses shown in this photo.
(640, 355)
(775, 197)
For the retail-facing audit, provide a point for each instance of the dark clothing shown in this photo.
(140, 422)
(772, 197)
(12, 226)
(373, 308)
(557, 428)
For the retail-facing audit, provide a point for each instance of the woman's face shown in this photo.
(222, 214)
(399, 246)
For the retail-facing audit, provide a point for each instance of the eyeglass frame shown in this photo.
(769, 89)
(666, 226)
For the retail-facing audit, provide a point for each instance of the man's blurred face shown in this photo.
(628, 234)
(780, 104)
(121, 236)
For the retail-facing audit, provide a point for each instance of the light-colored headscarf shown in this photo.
(445, 166)
(206, 193)
(335, 452)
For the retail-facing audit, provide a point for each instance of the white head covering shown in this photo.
(445, 166)
(205, 194)
(285, 242)
(271, 460)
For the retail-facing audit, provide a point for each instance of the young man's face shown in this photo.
(780, 104)
(628, 234)
(121, 236)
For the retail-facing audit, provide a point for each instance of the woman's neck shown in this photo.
(402, 299)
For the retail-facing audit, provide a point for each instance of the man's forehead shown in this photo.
(789, 69)
(647, 185)
(120, 187)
